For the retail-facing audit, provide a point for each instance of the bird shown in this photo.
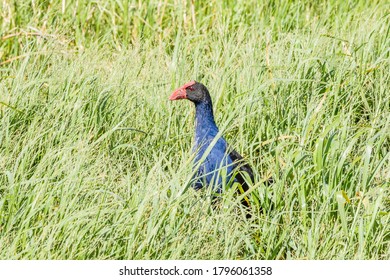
(208, 162)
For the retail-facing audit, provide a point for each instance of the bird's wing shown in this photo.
(242, 166)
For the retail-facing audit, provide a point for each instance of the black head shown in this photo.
(193, 91)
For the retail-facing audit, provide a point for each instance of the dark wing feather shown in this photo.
(241, 166)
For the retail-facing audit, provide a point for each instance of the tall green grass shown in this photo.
(95, 162)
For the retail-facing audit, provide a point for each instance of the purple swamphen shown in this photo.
(220, 156)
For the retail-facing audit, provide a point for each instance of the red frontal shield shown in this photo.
(180, 93)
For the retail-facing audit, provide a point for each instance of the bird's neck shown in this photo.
(204, 120)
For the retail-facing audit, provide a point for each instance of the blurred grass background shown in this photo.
(95, 162)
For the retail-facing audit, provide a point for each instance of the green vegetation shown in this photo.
(95, 162)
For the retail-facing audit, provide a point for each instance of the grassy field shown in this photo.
(95, 162)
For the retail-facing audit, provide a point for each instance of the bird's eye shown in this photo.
(191, 88)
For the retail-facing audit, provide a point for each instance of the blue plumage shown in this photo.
(212, 164)
(214, 159)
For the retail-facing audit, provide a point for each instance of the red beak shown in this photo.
(180, 93)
